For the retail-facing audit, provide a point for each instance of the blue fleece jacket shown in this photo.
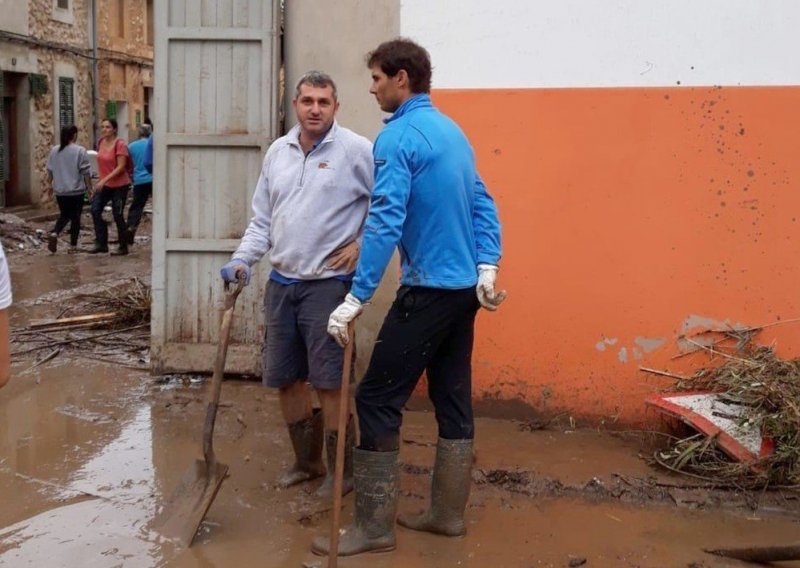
(429, 202)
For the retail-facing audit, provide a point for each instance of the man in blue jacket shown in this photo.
(430, 203)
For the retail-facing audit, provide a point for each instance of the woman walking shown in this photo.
(113, 161)
(70, 175)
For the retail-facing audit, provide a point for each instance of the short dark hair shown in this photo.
(316, 79)
(401, 53)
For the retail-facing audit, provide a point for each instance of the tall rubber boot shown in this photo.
(377, 479)
(306, 438)
(449, 491)
(325, 490)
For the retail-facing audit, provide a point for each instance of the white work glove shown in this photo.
(487, 274)
(341, 317)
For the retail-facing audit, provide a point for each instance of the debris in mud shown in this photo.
(123, 310)
(414, 469)
(130, 303)
(575, 562)
(411, 442)
(766, 389)
(760, 554)
(17, 234)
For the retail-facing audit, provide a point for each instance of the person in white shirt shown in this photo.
(5, 302)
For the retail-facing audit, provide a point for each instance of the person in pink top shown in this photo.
(113, 161)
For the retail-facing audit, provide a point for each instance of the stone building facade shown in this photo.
(47, 79)
(125, 41)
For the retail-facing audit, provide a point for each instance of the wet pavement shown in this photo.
(90, 452)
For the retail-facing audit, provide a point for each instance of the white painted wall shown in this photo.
(611, 43)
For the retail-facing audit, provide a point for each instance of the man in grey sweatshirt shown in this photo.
(309, 209)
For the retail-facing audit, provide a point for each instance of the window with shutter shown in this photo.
(111, 109)
(66, 101)
(63, 4)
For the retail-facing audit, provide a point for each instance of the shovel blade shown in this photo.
(189, 503)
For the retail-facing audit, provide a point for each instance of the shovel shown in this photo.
(189, 503)
(338, 476)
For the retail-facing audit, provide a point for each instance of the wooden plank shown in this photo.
(224, 85)
(215, 140)
(258, 11)
(192, 17)
(164, 14)
(225, 13)
(199, 33)
(194, 357)
(92, 318)
(202, 245)
(208, 89)
(209, 9)
(176, 15)
(176, 89)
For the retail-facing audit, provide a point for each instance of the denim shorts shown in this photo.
(296, 341)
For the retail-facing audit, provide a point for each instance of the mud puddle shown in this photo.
(82, 487)
(90, 451)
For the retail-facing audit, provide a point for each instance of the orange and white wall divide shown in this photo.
(645, 159)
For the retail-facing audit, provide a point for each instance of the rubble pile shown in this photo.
(16, 234)
(766, 389)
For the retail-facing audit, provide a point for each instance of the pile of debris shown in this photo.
(759, 393)
(122, 312)
(17, 234)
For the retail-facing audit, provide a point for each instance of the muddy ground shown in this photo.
(90, 449)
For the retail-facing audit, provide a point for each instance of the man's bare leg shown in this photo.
(329, 400)
(305, 431)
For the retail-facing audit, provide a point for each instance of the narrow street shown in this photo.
(92, 449)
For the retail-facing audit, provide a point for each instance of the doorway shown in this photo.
(10, 191)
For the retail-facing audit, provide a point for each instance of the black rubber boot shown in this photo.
(377, 479)
(52, 242)
(449, 491)
(306, 438)
(121, 250)
(98, 249)
(325, 490)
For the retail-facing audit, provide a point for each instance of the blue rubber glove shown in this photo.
(230, 270)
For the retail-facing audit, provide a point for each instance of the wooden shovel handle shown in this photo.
(219, 371)
(344, 399)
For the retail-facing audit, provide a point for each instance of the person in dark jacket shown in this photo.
(429, 203)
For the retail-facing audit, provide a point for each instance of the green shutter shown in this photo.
(38, 84)
(138, 118)
(66, 101)
(111, 109)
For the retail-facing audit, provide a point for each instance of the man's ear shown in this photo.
(402, 78)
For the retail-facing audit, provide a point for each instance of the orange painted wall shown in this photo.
(625, 212)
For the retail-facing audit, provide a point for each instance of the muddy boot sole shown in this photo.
(354, 542)
(424, 522)
(296, 476)
(325, 490)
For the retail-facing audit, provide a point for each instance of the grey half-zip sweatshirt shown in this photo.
(307, 206)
